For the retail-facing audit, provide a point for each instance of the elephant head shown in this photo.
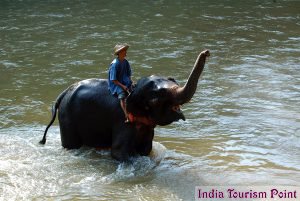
(157, 100)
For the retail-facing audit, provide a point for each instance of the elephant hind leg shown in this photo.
(70, 138)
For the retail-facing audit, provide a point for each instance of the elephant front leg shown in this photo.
(145, 136)
(123, 142)
(119, 155)
(145, 148)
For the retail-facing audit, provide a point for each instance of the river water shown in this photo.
(242, 126)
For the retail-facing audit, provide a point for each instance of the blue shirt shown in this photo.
(120, 71)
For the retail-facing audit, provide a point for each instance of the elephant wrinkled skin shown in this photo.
(89, 115)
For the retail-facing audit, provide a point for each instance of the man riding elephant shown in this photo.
(119, 77)
(89, 115)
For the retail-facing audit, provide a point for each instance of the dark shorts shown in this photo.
(122, 95)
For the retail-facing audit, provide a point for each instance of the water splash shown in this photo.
(138, 167)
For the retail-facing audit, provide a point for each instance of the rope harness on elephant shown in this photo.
(141, 120)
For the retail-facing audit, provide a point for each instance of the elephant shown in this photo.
(90, 115)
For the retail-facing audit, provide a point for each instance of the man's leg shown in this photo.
(123, 106)
(122, 97)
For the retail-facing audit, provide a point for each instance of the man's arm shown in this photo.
(116, 82)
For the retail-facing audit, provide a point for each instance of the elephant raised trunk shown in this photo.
(185, 93)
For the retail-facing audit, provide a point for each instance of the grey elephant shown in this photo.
(89, 115)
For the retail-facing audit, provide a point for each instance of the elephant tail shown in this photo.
(54, 109)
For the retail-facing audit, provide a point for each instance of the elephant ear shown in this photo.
(153, 102)
(137, 101)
